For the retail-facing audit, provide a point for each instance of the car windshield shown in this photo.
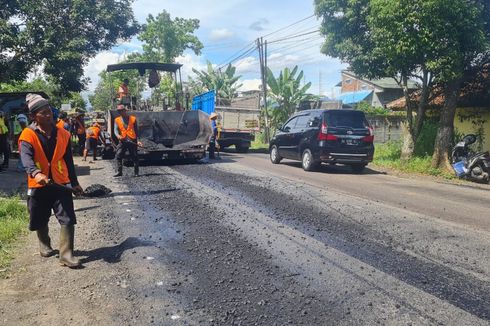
(348, 119)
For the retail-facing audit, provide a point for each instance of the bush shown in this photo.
(427, 138)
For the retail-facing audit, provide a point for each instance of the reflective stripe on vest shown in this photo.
(57, 166)
(129, 131)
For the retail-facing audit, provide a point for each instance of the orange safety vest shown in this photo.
(57, 166)
(129, 131)
(60, 124)
(93, 132)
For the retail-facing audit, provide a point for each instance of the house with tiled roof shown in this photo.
(376, 92)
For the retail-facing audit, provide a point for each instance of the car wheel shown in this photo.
(241, 149)
(274, 154)
(307, 161)
(358, 168)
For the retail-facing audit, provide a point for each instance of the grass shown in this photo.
(258, 144)
(388, 155)
(13, 223)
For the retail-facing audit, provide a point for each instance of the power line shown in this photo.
(225, 62)
(294, 36)
(290, 25)
(244, 54)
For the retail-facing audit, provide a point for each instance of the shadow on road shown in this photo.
(112, 254)
(336, 169)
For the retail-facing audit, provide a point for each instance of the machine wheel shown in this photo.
(307, 161)
(274, 155)
(358, 168)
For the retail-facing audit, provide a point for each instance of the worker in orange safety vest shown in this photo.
(48, 161)
(93, 134)
(126, 131)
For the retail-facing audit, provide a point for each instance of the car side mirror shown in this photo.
(286, 129)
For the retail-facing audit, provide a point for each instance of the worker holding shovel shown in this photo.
(46, 154)
(126, 131)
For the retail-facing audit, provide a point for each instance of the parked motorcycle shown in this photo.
(470, 165)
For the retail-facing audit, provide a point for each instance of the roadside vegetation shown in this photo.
(13, 223)
(389, 154)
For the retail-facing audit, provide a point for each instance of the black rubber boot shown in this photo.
(119, 169)
(67, 239)
(136, 170)
(45, 249)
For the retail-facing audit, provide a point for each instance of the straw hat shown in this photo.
(213, 116)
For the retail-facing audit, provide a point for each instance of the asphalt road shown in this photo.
(240, 241)
(464, 203)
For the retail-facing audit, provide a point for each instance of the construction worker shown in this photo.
(212, 141)
(79, 125)
(20, 124)
(63, 121)
(92, 135)
(126, 131)
(123, 93)
(4, 144)
(46, 155)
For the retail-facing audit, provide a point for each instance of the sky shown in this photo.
(229, 28)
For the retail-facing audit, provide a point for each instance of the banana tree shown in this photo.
(224, 82)
(287, 93)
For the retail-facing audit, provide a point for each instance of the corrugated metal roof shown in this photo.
(353, 97)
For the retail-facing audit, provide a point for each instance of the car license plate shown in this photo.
(350, 142)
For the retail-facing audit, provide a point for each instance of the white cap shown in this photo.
(22, 118)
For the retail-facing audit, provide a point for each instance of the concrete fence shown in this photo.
(386, 128)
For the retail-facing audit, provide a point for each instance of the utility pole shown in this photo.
(263, 71)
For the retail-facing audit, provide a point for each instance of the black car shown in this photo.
(330, 136)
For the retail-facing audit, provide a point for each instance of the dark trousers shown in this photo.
(46, 199)
(91, 144)
(121, 149)
(81, 143)
(4, 149)
(212, 147)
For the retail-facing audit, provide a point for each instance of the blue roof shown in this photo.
(353, 97)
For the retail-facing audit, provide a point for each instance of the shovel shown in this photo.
(55, 185)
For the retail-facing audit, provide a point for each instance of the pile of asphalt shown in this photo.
(97, 190)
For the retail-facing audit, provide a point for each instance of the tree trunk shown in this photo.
(422, 106)
(444, 137)
(408, 146)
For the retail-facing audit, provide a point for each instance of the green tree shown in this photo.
(165, 38)
(286, 91)
(49, 87)
(399, 39)
(60, 36)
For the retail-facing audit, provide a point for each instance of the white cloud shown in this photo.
(220, 34)
(99, 63)
(279, 61)
(190, 61)
(250, 85)
(247, 65)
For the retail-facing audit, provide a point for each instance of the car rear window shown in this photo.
(348, 118)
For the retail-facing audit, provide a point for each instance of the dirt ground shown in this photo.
(224, 244)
